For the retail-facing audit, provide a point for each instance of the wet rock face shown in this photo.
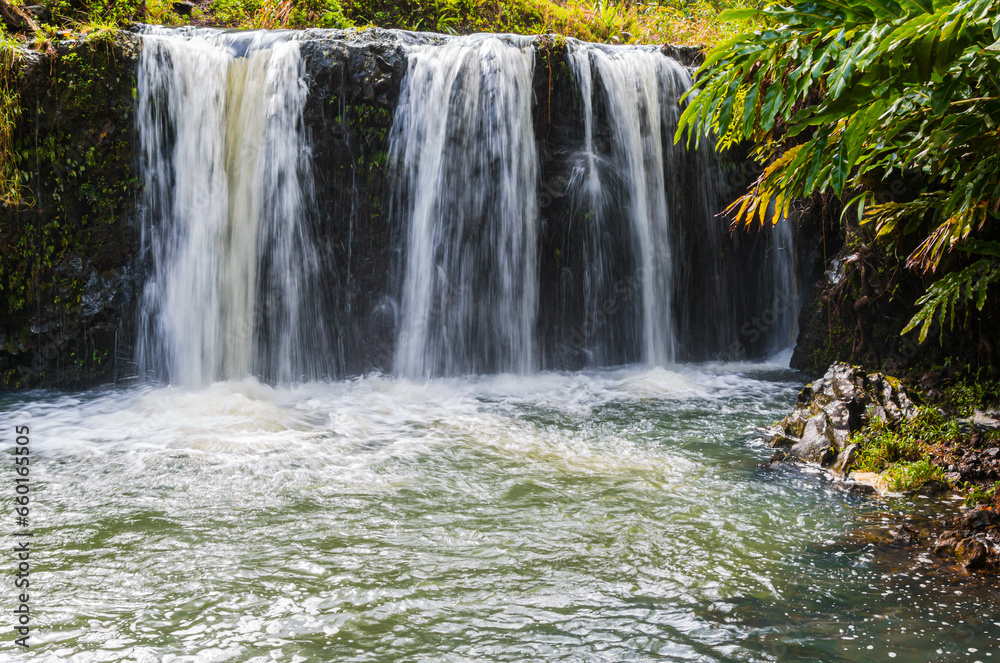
(857, 308)
(833, 408)
(972, 540)
(68, 286)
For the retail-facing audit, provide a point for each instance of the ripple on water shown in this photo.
(599, 515)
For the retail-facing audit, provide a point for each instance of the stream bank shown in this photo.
(876, 438)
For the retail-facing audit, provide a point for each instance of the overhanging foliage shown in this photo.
(842, 94)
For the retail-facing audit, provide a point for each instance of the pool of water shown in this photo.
(600, 516)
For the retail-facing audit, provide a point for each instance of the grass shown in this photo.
(904, 476)
(681, 22)
(673, 21)
(976, 495)
(967, 396)
(902, 454)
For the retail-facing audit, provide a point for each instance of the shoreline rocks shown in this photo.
(847, 399)
(830, 410)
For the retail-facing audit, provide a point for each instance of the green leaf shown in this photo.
(739, 14)
(981, 247)
(770, 111)
(943, 94)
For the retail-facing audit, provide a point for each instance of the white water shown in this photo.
(634, 80)
(233, 280)
(601, 515)
(227, 185)
(463, 141)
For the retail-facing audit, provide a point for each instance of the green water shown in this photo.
(607, 516)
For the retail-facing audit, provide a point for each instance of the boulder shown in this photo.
(831, 409)
(845, 461)
(971, 553)
(980, 519)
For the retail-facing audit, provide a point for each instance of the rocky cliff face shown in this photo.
(67, 269)
(858, 305)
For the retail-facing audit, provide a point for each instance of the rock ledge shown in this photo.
(833, 408)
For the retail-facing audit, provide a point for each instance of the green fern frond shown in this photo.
(945, 294)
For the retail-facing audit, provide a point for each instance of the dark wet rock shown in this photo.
(859, 489)
(184, 7)
(777, 458)
(689, 56)
(905, 534)
(972, 539)
(831, 409)
(946, 542)
(845, 461)
(980, 519)
(934, 487)
(40, 13)
(971, 553)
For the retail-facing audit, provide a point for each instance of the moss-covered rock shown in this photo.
(69, 246)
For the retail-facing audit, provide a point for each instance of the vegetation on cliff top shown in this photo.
(652, 22)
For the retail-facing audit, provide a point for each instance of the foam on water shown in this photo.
(499, 517)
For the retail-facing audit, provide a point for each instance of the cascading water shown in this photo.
(231, 286)
(783, 316)
(463, 142)
(694, 285)
(636, 82)
(236, 254)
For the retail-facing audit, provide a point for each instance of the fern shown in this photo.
(947, 292)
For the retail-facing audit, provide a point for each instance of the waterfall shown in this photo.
(463, 142)
(257, 190)
(228, 183)
(642, 88)
(695, 285)
(781, 319)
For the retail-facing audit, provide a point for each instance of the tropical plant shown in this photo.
(10, 111)
(843, 95)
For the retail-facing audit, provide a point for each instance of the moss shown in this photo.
(75, 168)
(10, 111)
(79, 172)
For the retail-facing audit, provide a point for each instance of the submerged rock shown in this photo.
(972, 553)
(833, 408)
(972, 540)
